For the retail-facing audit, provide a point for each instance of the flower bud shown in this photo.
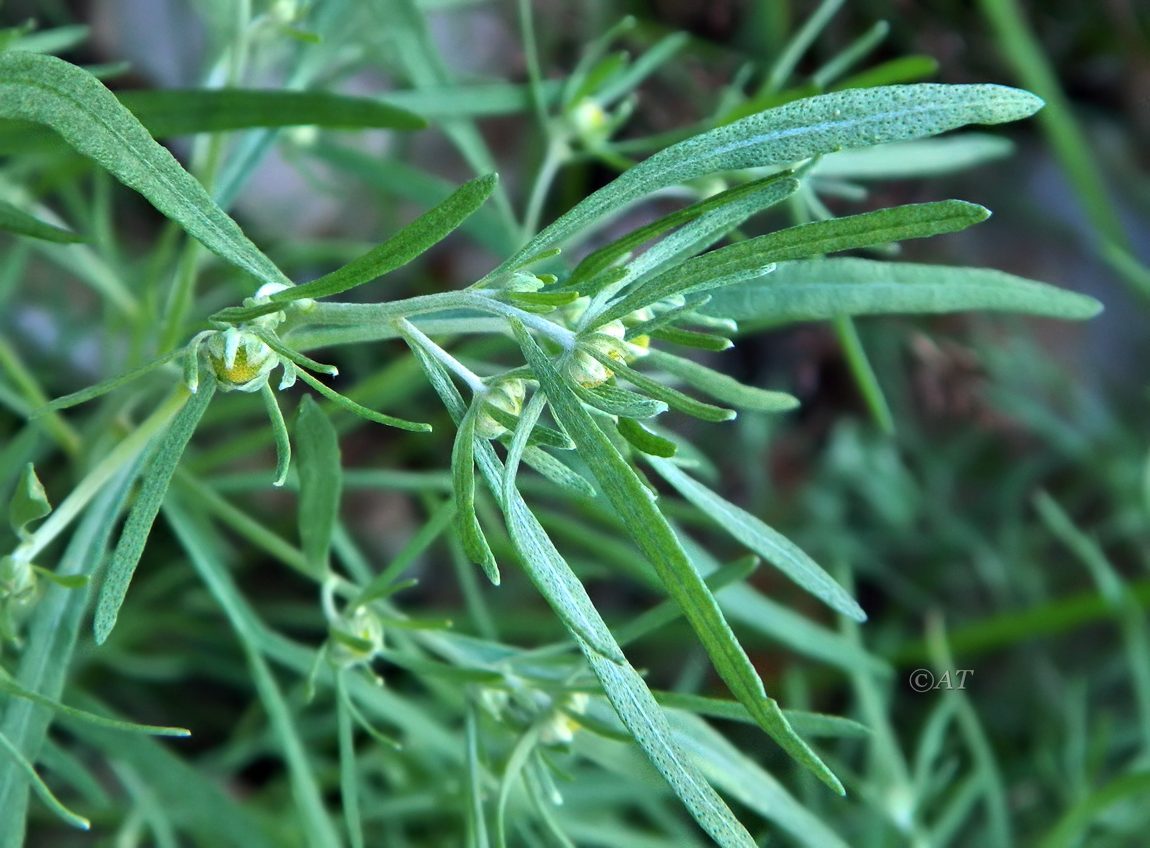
(506, 395)
(240, 360)
(589, 122)
(560, 727)
(356, 638)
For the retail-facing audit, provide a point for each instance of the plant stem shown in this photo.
(473, 380)
(97, 478)
(553, 158)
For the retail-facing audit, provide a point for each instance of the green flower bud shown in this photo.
(506, 395)
(356, 638)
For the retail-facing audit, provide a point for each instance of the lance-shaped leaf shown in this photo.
(424, 232)
(796, 131)
(126, 556)
(820, 289)
(768, 543)
(50, 91)
(320, 483)
(697, 224)
(463, 477)
(720, 386)
(12, 688)
(754, 258)
(634, 505)
(171, 112)
(15, 220)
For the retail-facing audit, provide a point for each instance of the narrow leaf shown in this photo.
(744, 200)
(527, 419)
(623, 685)
(126, 556)
(720, 386)
(636, 510)
(361, 410)
(463, 475)
(797, 131)
(105, 386)
(616, 401)
(320, 483)
(50, 91)
(763, 540)
(15, 220)
(14, 689)
(753, 258)
(558, 472)
(674, 398)
(643, 439)
(41, 788)
(817, 290)
(424, 232)
(279, 433)
(172, 112)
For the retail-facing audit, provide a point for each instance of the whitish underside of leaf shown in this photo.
(820, 289)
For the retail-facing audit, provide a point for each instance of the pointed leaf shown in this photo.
(320, 483)
(463, 476)
(126, 556)
(763, 540)
(15, 220)
(754, 258)
(170, 112)
(14, 689)
(820, 289)
(720, 386)
(797, 131)
(50, 91)
(29, 502)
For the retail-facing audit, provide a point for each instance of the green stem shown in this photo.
(863, 372)
(123, 454)
(553, 158)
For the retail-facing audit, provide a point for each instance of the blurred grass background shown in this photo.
(1011, 510)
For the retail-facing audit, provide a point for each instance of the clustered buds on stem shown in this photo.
(609, 340)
